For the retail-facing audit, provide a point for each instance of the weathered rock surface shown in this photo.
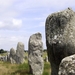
(35, 58)
(3, 58)
(12, 56)
(60, 37)
(67, 66)
(20, 53)
(8, 56)
(12, 52)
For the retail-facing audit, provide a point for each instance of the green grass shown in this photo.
(21, 69)
(46, 68)
(3, 54)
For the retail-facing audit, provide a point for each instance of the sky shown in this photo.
(19, 19)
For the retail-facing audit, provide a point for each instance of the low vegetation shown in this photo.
(21, 69)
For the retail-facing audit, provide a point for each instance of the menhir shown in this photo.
(60, 37)
(35, 53)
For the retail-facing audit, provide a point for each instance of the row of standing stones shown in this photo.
(60, 42)
(35, 54)
(18, 55)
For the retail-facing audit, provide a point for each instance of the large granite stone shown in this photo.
(60, 37)
(67, 66)
(35, 58)
(20, 53)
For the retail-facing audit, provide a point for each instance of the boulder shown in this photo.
(20, 53)
(60, 37)
(35, 52)
(67, 66)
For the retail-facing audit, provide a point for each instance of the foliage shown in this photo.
(45, 50)
(2, 51)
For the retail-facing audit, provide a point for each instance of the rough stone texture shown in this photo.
(67, 66)
(12, 52)
(8, 56)
(35, 58)
(3, 58)
(12, 56)
(60, 37)
(20, 53)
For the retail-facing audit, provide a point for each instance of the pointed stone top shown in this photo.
(20, 43)
(36, 36)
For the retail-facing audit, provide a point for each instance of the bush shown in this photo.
(2, 51)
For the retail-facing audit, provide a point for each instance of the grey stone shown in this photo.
(35, 52)
(12, 52)
(60, 37)
(46, 59)
(67, 66)
(12, 57)
(8, 56)
(3, 58)
(20, 53)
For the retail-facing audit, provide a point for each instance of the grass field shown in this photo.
(20, 69)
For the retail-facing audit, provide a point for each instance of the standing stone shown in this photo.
(12, 52)
(8, 56)
(60, 37)
(35, 52)
(67, 66)
(20, 53)
(5, 58)
(12, 56)
(46, 59)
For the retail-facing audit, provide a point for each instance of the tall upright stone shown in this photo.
(20, 53)
(12, 56)
(46, 59)
(35, 52)
(60, 37)
(12, 52)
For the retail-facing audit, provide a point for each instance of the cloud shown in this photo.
(8, 15)
(11, 24)
(25, 4)
(17, 22)
(28, 16)
(7, 42)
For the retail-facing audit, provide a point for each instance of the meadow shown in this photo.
(6, 68)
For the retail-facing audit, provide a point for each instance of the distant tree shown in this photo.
(2, 51)
(25, 50)
(45, 50)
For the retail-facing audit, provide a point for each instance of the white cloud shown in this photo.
(17, 22)
(7, 42)
(11, 24)
(49, 4)
(8, 15)
(15, 14)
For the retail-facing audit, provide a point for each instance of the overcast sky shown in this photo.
(19, 19)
